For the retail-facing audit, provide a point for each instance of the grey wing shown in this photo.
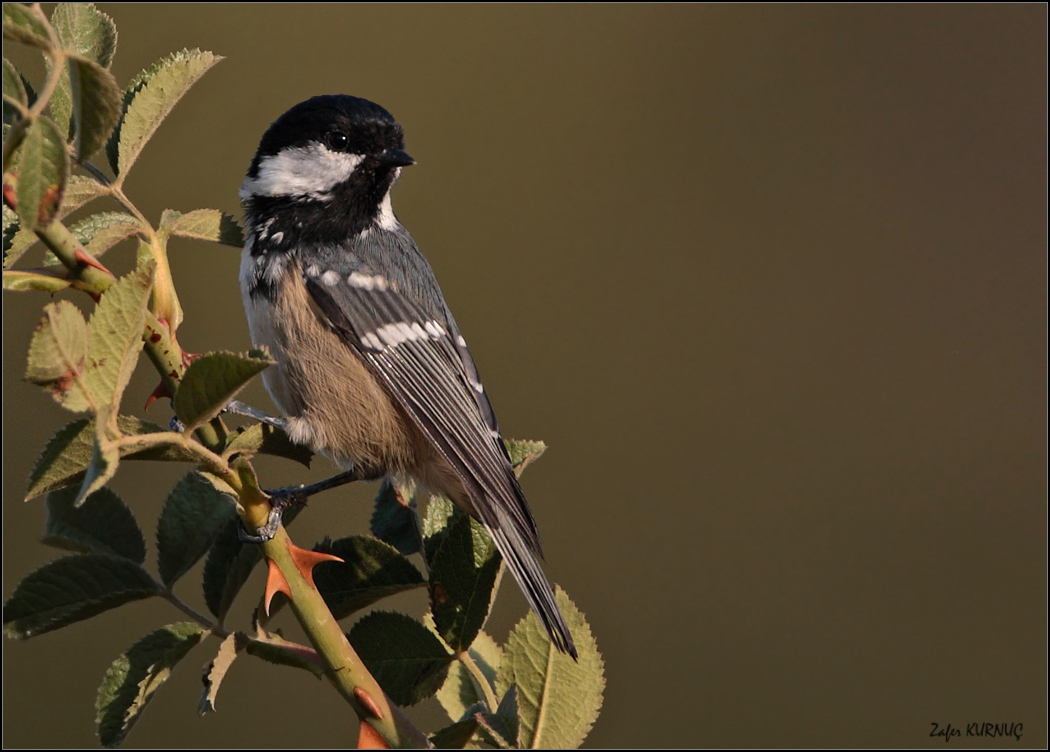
(432, 375)
(427, 367)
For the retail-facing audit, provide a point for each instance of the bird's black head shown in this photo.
(324, 169)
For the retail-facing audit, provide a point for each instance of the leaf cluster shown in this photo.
(524, 693)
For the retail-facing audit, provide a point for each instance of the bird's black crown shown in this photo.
(368, 128)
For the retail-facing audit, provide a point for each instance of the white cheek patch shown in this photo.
(386, 218)
(310, 170)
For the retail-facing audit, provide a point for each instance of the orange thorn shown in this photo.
(87, 260)
(275, 583)
(369, 738)
(160, 391)
(305, 561)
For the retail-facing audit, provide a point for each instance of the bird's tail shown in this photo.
(522, 563)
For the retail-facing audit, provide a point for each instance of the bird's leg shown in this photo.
(239, 408)
(282, 498)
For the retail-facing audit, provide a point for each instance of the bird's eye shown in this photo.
(337, 141)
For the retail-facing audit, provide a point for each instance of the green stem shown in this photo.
(346, 671)
(480, 680)
(215, 628)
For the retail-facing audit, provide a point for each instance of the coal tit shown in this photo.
(372, 370)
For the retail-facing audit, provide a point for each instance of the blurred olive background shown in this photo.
(769, 281)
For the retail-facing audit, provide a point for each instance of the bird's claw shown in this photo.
(280, 500)
(266, 532)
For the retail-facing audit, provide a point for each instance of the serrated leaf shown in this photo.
(435, 525)
(226, 569)
(116, 335)
(68, 453)
(215, 671)
(395, 520)
(43, 280)
(102, 524)
(282, 653)
(263, 439)
(150, 98)
(405, 657)
(462, 578)
(79, 191)
(86, 31)
(211, 381)
(229, 563)
(193, 515)
(72, 589)
(23, 25)
(58, 356)
(459, 692)
(42, 175)
(558, 698)
(204, 224)
(501, 728)
(370, 570)
(11, 230)
(96, 105)
(522, 453)
(134, 678)
(456, 735)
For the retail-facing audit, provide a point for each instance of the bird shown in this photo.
(371, 369)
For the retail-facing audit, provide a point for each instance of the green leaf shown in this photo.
(86, 31)
(79, 191)
(282, 653)
(405, 657)
(150, 98)
(263, 439)
(370, 570)
(58, 356)
(462, 578)
(43, 171)
(395, 520)
(134, 678)
(193, 516)
(215, 671)
(116, 336)
(211, 381)
(558, 699)
(226, 569)
(455, 736)
(229, 564)
(522, 453)
(96, 105)
(204, 224)
(15, 90)
(68, 454)
(23, 25)
(104, 456)
(89, 39)
(459, 692)
(43, 280)
(102, 524)
(12, 230)
(501, 728)
(72, 589)
(435, 525)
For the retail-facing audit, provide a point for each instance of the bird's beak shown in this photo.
(396, 158)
